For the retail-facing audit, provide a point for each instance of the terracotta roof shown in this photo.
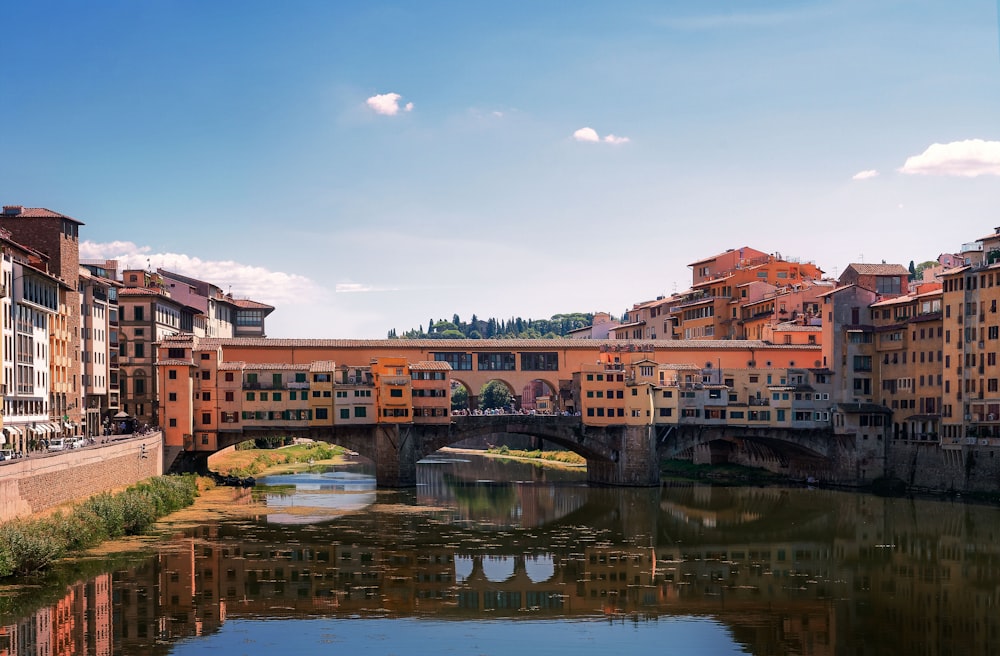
(715, 257)
(430, 365)
(268, 366)
(19, 212)
(175, 363)
(797, 328)
(879, 269)
(323, 366)
(141, 291)
(246, 303)
(836, 289)
(491, 344)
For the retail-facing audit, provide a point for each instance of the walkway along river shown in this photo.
(490, 557)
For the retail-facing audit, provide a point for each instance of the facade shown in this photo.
(98, 336)
(31, 301)
(55, 237)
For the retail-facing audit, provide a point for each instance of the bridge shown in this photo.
(616, 455)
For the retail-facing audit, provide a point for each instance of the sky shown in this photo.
(367, 166)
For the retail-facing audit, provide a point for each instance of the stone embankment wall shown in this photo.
(970, 468)
(40, 482)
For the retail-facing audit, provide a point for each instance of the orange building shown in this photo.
(212, 386)
(431, 391)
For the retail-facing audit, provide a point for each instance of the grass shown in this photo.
(564, 457)
(250, 462)
(32, 545)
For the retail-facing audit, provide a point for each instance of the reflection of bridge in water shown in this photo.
(798, 591)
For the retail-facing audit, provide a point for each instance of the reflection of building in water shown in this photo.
(887, 576)
(78, 623)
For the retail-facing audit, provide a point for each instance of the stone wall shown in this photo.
(40, 482)
(970, 468)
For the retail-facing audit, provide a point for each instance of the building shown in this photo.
(98, 347)
(56, 237)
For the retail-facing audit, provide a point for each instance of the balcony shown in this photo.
(397, 380)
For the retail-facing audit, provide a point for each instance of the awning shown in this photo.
(41, 428)
(55, 428)
(12, 430)
(67, 425)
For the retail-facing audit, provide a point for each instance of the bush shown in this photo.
(30, 545)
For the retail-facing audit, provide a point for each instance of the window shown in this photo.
(138, 313)
(172, 374)
(140, 350)
(458, 361)
(206, 396)
(230, 396)
(345, 413)
(539, 361)
(229, 377)
(173, 353)
(251, 396)
(206, 417)
(321, 413)
(396, 392)
(496, 362)
(206, 375)
(139, 386)
(862, 363)
(172, 396)
(173, 423)
(360, 411)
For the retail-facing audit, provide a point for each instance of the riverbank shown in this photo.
(296, 457)
(554, 459)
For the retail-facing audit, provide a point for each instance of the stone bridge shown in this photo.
(799, 453)
(615, 455)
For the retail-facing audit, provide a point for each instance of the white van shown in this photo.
(58, 444)
(79, 443)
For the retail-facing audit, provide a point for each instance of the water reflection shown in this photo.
(315, 496)
(749, 570)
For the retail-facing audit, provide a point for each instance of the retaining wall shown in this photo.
(970, 468)
(43, 481)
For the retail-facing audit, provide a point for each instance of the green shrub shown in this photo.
(30, 545)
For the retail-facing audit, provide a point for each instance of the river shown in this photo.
(498, 557)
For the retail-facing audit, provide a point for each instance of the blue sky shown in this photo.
(370, 165)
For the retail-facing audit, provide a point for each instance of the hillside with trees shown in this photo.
(514, 328)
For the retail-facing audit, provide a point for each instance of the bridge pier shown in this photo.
(633, 460)
(395, 455)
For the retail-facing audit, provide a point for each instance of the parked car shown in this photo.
(6, 454)
(58, 444)
(79, 443)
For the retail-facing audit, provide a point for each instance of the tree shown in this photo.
(459, 398)
(494, 395)
(913, 271)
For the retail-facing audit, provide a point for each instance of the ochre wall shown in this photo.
(41, 482)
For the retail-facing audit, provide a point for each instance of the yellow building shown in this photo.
(393, 390)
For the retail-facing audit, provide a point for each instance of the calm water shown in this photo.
(486, 557)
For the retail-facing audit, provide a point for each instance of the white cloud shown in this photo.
(865, 175)
(243, 280)
(590, 135)
(360, 288)
(387, 104)
(969, 158)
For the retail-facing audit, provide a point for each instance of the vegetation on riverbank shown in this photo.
(564, 457)
(249, 461)
(685, 470)
(30, 545)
